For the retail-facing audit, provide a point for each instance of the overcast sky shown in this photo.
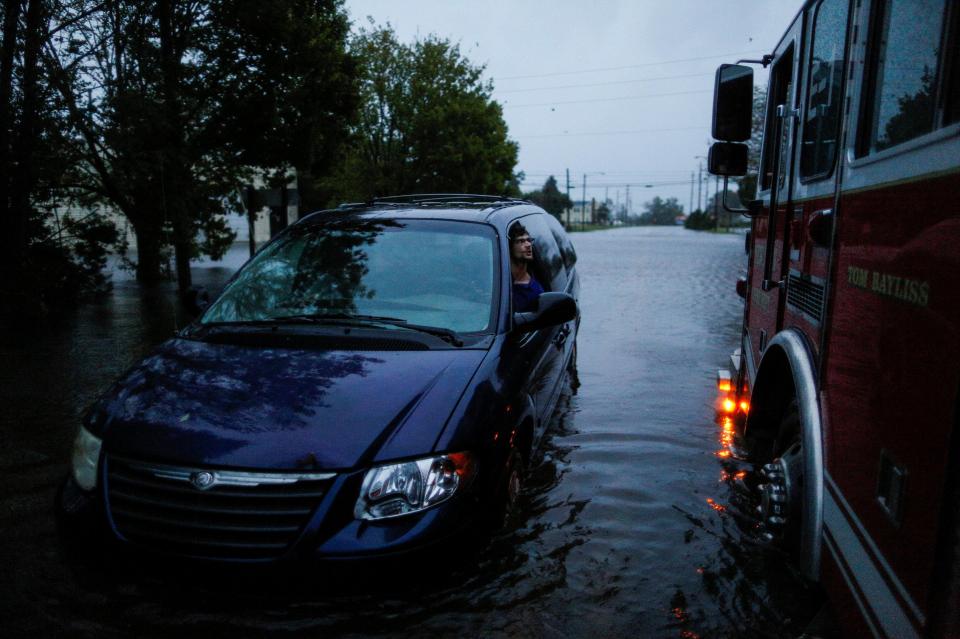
(618, 89)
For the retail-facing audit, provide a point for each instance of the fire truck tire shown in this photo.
(782, 485)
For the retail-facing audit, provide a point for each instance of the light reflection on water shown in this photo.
(625, 530)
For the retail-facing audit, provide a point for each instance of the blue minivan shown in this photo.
(361, 388)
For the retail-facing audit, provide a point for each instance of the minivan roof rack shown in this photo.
(446, 198)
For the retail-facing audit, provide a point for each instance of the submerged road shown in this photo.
(625, 528)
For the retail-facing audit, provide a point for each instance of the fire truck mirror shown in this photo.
(733, 103)
(727, 158)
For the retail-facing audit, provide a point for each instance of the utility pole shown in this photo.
(583, 209)
(700, 185)
(690, 210)
(568, 199)
(627, 201)
(716, 198)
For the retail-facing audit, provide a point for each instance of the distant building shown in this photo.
(581, 213)
(270, 217)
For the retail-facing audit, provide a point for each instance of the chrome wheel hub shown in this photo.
(777, 499)
(774, 508)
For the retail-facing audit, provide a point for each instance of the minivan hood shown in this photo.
(197, 403)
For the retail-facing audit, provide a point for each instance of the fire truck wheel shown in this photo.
(781, 486)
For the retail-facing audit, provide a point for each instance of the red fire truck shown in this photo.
(846, 383)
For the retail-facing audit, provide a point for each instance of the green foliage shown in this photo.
(661, 212)
(48, 260)
(172, 105)
(604, 213)
(550, 199)
(699, 221)
(289, 115)
(427, 123)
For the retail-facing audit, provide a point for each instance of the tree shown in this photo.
(550, 199)
(661, 212)
(427, 123)
(172, 105)
(603, 212)
(699, 221)
(296, 117)
(48, 257)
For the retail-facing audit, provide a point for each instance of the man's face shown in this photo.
(521, 248)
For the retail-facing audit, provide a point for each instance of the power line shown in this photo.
(641, 184)
(606, 84)
(628, 131)
(546, 172)
(630, 97)
(632, 66)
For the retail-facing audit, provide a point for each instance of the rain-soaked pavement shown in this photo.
(625, 531)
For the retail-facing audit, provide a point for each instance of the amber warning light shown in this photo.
(728, 401)
(724, 384)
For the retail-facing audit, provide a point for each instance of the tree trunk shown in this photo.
(175, 174)
(24, 173)
(148, 252)
(9, 45)
(311, 198)
(252, 217)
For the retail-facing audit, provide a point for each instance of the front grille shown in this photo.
(241, 516)
(805, 295)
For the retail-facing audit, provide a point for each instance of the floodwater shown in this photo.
(626, 527)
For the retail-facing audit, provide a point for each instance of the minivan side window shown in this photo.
(547, 253)
(563, 241)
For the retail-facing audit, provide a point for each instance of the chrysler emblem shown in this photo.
(203, 480)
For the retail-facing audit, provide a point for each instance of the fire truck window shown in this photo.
(774, 134)
(904, 74)
(821, 119)
(952, 111)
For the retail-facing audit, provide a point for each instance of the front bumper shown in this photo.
(331, 533)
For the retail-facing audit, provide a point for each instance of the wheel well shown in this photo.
(787, 372)
(773, 391)
(524, 438)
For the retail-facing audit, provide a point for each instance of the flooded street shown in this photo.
(625, 529)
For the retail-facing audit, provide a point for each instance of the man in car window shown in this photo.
(526, 289)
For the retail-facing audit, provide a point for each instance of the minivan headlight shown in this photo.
(86, 456)
(408, 487)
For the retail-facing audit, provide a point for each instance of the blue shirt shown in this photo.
(525, 295)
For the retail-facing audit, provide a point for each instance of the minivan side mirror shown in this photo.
(733, 103)
(552, 309)
(727, 158)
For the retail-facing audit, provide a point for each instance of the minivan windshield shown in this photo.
(425, 272)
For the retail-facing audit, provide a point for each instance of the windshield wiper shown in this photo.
(446, 334)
